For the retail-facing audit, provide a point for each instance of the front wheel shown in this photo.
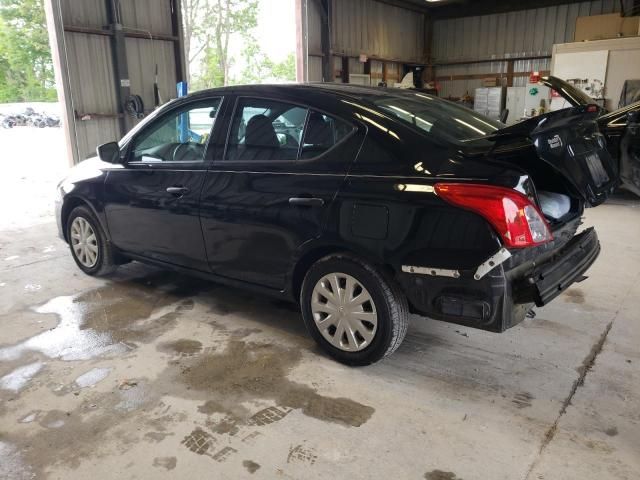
(88, 243)
(352, 311)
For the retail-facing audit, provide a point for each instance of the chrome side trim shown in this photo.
(434, 272)
(492, 262)
(350, 175)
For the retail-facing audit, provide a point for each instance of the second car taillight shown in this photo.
(516, 219)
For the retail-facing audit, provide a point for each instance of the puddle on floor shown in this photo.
(248, 371)
(106, 320)
(440, 475)
(109, 320)
(68, 340)
(20, 377)
(54, 419)
(92, 377)
(184, 346)
(133, 398)
(29, 418)
(11, 465)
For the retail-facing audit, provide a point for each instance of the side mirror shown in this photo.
(633, 117)
(109, 152)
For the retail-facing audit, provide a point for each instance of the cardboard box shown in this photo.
(600, 27)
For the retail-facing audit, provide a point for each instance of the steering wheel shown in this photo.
(178, 150)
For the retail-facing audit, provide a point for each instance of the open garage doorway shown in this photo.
(118, 61)
(33, 153)
(76, 74)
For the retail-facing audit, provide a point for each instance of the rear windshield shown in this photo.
(438, 117)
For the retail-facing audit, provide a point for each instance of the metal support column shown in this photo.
(178, 46)
(55, 27)
(345, 70)
(302, 44)
(121, 69)
(325, 40)
(510, 70)
(428, 75)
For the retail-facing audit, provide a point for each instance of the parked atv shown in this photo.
(8, 121)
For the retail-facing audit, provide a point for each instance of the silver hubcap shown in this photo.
(84, 242)
(344, 312)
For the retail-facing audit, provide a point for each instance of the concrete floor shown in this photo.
(149, 374)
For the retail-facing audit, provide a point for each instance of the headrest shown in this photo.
(319, 131)
(260, 133)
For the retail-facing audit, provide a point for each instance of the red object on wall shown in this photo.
(534, 77)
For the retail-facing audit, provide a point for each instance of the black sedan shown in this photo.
(361, 204)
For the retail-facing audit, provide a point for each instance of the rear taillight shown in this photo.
(515, 218)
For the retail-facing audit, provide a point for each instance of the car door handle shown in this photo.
(306, 201)
(178, 191)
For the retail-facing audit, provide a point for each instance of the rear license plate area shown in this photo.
(596, 169)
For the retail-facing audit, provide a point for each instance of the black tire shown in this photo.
(390, 304)
(106, 257)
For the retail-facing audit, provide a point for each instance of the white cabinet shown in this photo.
(489, 101)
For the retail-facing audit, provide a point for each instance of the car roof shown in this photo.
(359, 92)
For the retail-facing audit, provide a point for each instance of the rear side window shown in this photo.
(265, 130)
(322, 133)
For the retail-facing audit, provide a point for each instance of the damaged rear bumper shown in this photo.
(554, 276)
(500, 299)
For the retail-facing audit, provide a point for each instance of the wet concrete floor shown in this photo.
(150, 374)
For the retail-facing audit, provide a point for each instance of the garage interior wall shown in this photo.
(462, 50)
(525, 34)
(379, 30)
(623, 62)
(84, 51)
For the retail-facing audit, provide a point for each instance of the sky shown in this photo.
(276, 32)
(277, 27)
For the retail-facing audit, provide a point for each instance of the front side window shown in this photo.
(180, 136)
(265, 130)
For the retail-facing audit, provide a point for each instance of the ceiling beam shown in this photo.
(482, 7)
(407, 5)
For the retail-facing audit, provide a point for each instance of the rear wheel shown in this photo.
(352, 311)
(88, 243)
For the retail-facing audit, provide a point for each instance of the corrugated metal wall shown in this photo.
(313, 25)
(514, 34)
(377, 29)
(370, 27)
(92, 88)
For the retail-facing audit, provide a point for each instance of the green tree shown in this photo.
(285, 70)
(258, 68)
(210, 24)
(254, 69)
(26, 69)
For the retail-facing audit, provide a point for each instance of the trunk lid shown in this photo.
(570, 142)
(573, 95)
(576, 98)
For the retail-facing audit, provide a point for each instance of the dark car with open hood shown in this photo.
(361, 204)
